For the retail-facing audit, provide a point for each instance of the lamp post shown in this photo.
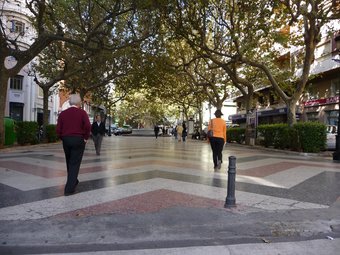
(109, 131)
(209, 105)
(336, 154)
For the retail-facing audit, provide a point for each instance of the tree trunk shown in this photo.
(200, 119)
(3, 94)
(185, 115)
(45, 111)
(249, 129)
(219, 104)
(291, 112)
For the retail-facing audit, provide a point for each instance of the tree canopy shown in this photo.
(174, 53)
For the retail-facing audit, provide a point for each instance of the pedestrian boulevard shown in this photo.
(146, 182)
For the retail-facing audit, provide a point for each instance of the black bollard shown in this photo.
(230, 200)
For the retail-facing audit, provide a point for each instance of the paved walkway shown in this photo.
(148, 196)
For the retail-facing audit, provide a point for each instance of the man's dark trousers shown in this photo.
(74, 147)
(97, 140)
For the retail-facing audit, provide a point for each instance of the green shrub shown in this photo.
(236, 135)
(312, 136)
(294, 140)
(27, 132)
(305, 136)
(51, 133)
(274, 135)
(282, 136)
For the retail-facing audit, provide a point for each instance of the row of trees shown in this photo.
(177, 52)
(87, 44)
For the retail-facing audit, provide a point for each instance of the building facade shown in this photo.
(24, 97)
(320, 101)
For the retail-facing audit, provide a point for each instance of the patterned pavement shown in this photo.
(145, 176)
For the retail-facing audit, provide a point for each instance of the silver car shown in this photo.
(126, 129)
(331, 136)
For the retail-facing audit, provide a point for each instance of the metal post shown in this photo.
(230, 200)
(336, 154)
(109, 131)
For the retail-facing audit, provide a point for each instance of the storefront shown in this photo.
(272, 116)
(325, 110)
(264, 117)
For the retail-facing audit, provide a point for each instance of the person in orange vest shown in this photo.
(218, 138)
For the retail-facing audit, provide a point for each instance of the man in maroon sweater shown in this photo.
(73, 128)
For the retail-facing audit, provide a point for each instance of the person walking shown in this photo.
(98, 132)
(174, 130)
(179, 130)
(73, 128)
(184, 132)
(218, 139)
(156, 130)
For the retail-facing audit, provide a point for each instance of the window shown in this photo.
(261, 100)
(297, 59)
(332, 118)
(313, 116)
(336, 43)
(273, 99)
(313, 92)
(18, 27)
(16, 82)
(335, 87)
(322, 50)
(16, 111)
(40, 92)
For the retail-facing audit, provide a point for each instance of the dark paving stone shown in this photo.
(322, 189)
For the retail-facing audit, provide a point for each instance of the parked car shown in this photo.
(118, 131)
(113, 128)
(331, 137)
(125, 129)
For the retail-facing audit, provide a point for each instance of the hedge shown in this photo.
(51, 133)
(305, 136)
(276, 135)
(236, 135)
(27, 132)
(312, 136)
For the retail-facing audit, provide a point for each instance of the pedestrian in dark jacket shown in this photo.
(73, 128)
(185, 132)
(156, 130)
(98, 132)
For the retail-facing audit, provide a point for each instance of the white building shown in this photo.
(229, 108)
(24, 98)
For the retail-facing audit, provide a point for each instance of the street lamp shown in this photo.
(336, 154)
(209, 106)
(109, 131)
(181, 114)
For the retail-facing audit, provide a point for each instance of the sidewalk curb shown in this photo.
(18, 147)
(325, 154)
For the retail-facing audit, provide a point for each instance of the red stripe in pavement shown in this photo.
(152, 201)
(42, 171)
(265, 170)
